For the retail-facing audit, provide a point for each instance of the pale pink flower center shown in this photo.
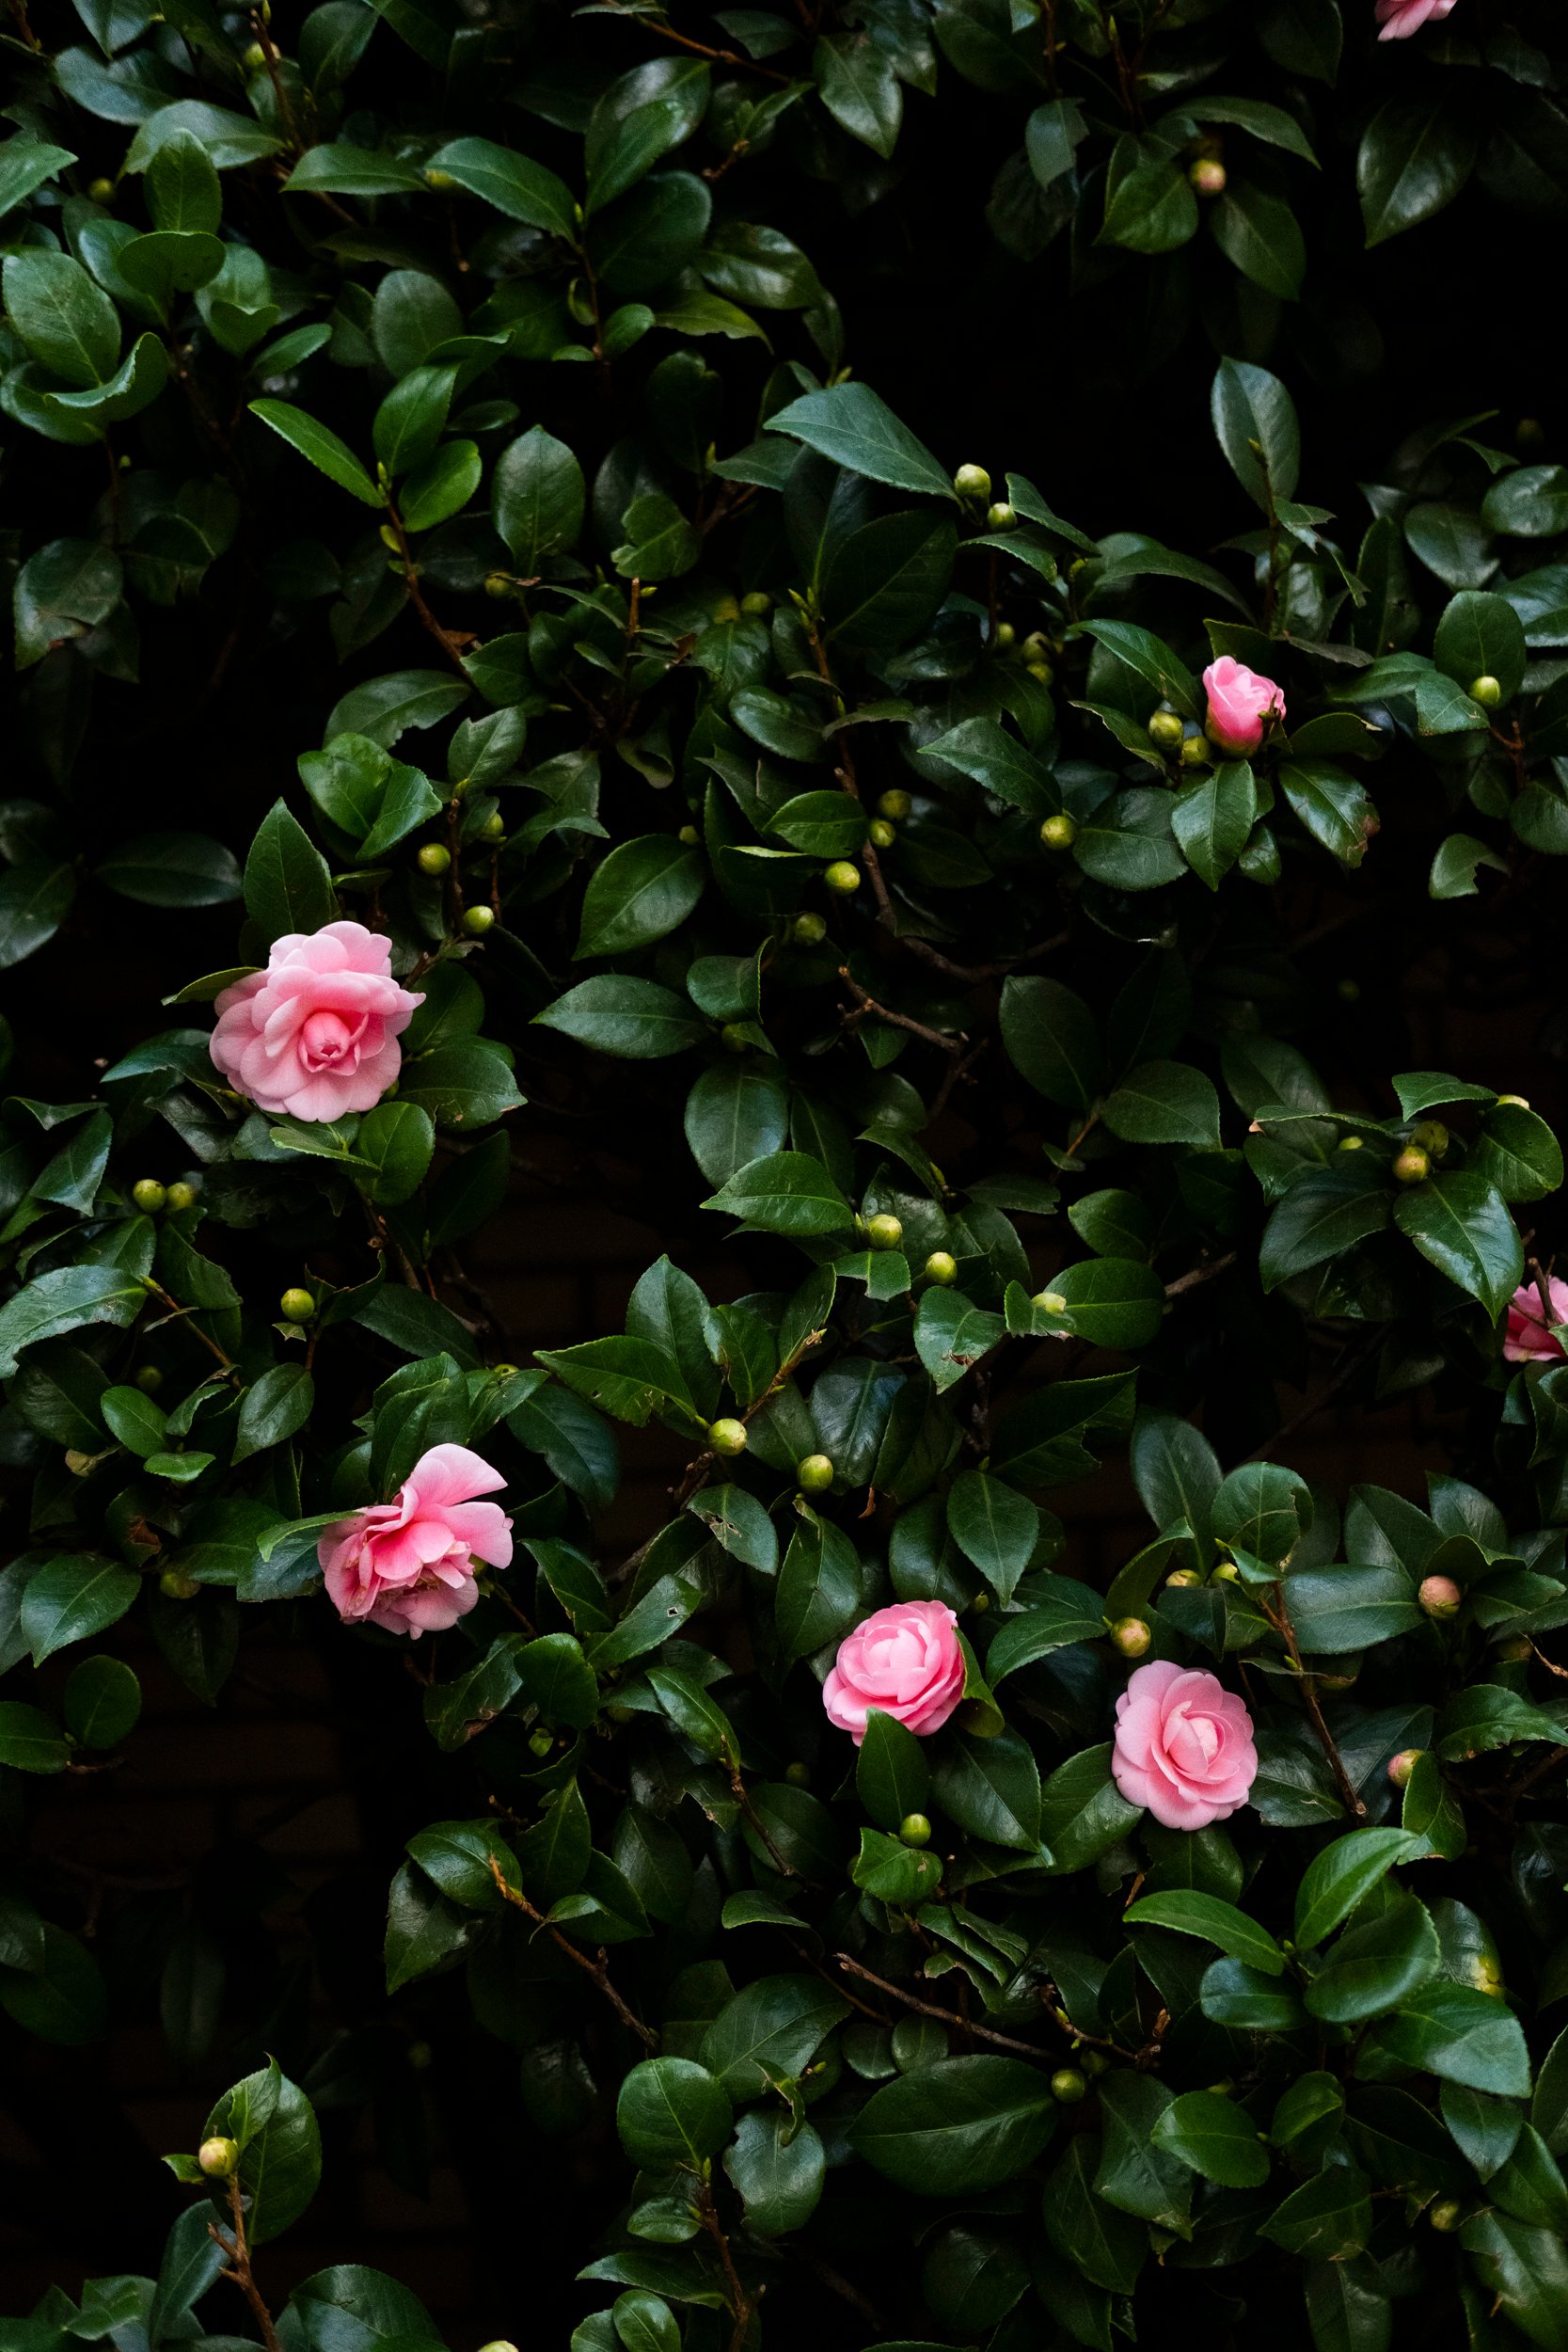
(327, 1039)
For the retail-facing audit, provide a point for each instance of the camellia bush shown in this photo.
(496, 667)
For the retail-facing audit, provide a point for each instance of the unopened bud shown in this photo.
(1446, 2215)
(78, 1463)
(755, 602)
(175, 1585)
(884, 1231)
(100, 191)
(1440, 1597)
(1486, 690)
(808, 930)
(973, 482)
(1411, 1165)
(1049, 1302)
(149, 1194)
(941, 1266)
(150, 1379)
(727, 1436)
(1167, 729)
(815, 1472)
(1351, 1143)
(1402, 1766)
(434, 858)
(1041, 672)
(841, 877)
(1005, 637)
(1431, 1137)
(1181, 1580)
(181, 1197)
(494, 827)
(1520, 1102)
(1058, 833)
(442, 180)
(915, 1830)
(296, 1306)
(895, 805)
(726, 610)
(883, 835)
(1197, 750)
(540, 1743)
(734, 1036)
(477, 920)
(1130, 1636)
(1069, 2085)
(1207, 176)
(1226, 1573)
(689, 836)
(218, 2158)
(798, 1774)
(1000, 516)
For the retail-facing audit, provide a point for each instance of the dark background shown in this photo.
(1100, 397)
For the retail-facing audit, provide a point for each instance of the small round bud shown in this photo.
(884, 1231)
(1058, 831)
(175, 1585)
(434, 858)
(1041, 672)
(421, 2057)
(219, 2158)
(1486, 690)
(1165, 728)
(972, 482)
(180, 1197)
(883, 835)
(1446, 2215)
(689, 836)
(1197, 750)
(808, 930)
(1351, 1143)
(1411, 1165)
(1225, 1573)
(150, 1379)
(915, 1830)
(540, 1743)
(726, 610)
(733, 1039)
(1348, 991)
(1038, 647)
(841, 877)
(798, 1774)
(1520, 1102)
(149, 1194)
(296, 1306)
(1093, 2061)
(255, 57)
(1069, 2084)
(980, 1603)
(77, 1462)
(1130, 1636)
(620, 1714)
(477, 920)
(1431, 1137)
(1530, 432)
(1402, 1766)
(1000, 516)
(497, 584)
(1440, 1597)
(100, 191)
(941, 1266)
(755, 602)
(895, 805)
(1517, 1651)
(815, 1472)
(1005, 637)
(439, 180)
(727, 1436)
(1049, 1302)
(1207, 175)
(494, 827)
(1182, 1580)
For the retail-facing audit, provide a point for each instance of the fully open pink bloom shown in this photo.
(1238, 702)
(905, 1660)
(1183, 1747)
(407, 1565)
(315, 1034)
(1401, 18)
(1528, 1339)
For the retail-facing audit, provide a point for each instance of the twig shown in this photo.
(1314, 1404)
(974, 973)
(1279, 1617)
(238, 2251)
(416, 596)
(932, 2008)
(1200, 1274)
(231, 1368)
(742, 2304)
(599, 1969)
(865, 1003)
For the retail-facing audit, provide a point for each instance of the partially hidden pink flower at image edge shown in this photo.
(315, 1035)
(1527, 1337)
(1183, 1747)
(1401, 18)
(906, 1662)
(407, 1565)
(1239, 701)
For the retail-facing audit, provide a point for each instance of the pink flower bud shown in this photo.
(1239, 703)
(1401, 18)
(1402, 1766)
(1440, 1597)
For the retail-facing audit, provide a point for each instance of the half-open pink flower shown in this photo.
(1239, 701)
(1528, 1338)
(1184, 1746)
(1401, 18)
(315, 1035)
(407, 1565)
(906, 1662)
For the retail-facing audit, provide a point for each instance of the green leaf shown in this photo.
(1215, 2138)
(172, 869)
(855, 427)
(537, 497)
(338, 169)
(892, 1775)
(1524, 2270)
(1416, 155)
(860, 88)
(1375, 1966)
(317, 442)
(1231, 1993)
(641, 891)
(72, 1598)
(30, 1740)
(1165, 1102)
(1461, 1223)
(102, 1703)
(789, 1192)
(1052, 1040)
(1328, 2218)
(777, 2170)
(886, 581)
(774, 2027)
(952, 1334)
(959, 2125)
(280, 1403)
(1212, 819)
(280, 2163)
(670, 2110)
(1336, 1879)
(993, 1526)
(1190, 1912)
(65, 2001)
(1256, 423)
(820, 1589)
(991, 1787)
(522, 190)
(1482, 636)
(619, 1014)
(64, 319)
(1452, 2030)
(1259, 234)
(822, 824)
(1082, 1812)
(1060, 1613)
(1338, 1609)
(287, 884)
(25, 163)
(1114, 1302)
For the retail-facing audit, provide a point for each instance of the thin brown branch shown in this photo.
(239, 2271)
(1347, 1371)
(974, 973)
(416, 596)
(742, 2304)
(1279, 1617)
(597, 1969)
(1199, 1275)
(933, 2009)
(865, 1003)
(185, 1313)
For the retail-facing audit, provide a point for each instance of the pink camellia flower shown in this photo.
(1528, 1339)
(407, 1565)
(1238, 702)
(1401, 18)
(315, 1034)
(905, 1660)
(1183, 1747)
